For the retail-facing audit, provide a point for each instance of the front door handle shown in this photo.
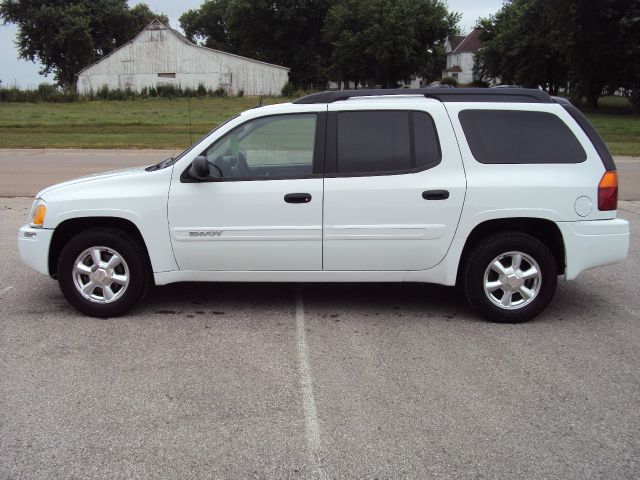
(435, 194)
(297, 197)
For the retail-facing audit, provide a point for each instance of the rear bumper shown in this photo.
(33, 244)
(594, 243)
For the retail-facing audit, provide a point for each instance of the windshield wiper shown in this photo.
(159, 166)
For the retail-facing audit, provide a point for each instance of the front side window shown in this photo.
(269, 147)
(520, 137)
(375, 142)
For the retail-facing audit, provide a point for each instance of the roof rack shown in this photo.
(518, 95)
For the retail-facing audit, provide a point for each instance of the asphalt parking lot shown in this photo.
(318, 381)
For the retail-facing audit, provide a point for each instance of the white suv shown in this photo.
(499, 192)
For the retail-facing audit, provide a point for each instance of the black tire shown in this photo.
(482, 256)
(128, 248)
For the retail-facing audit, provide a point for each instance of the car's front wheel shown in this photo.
(102, 272)
(510, 277)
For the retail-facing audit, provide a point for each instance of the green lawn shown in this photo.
(164, 123)
(141, 123)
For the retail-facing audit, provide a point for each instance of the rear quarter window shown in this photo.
(519, 137)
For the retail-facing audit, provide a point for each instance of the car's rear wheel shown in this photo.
(102, 272)
(510, 277)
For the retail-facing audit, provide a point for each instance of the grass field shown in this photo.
(164, 123)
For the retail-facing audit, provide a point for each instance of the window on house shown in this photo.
(167, 75)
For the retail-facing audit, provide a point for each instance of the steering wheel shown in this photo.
(243, 167)
(213, 164)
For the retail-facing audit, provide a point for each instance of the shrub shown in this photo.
(449, 81)
(48, 92)
(219, 92)
(103, 92)
(479, 84)
(68, 96)
(288, 90)
(168, 91)
(11, 94)
(45, 92)
(116, 94)
(634, 97)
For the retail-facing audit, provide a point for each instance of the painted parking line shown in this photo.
(308, 400)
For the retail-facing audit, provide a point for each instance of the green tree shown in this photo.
(284, 32)
(382, 41)
(591, 46)
(435, 61)
(207, 26)
(603, 46)
(522, 44)
(66, 36)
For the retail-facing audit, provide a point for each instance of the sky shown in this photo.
(25, 73)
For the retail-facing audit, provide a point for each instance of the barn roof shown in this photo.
(158, 25)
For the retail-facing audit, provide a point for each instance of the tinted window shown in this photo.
(276, 146)
(507, 136)
(426, 140)
(385, 141)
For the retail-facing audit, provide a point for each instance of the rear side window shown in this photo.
(375, 142)
(509, 136)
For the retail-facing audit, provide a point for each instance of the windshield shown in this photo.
(171, 160)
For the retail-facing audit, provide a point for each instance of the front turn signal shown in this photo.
(608, 191)
(38, 211)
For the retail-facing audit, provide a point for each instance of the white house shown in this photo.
(460, 54)
(160, 55)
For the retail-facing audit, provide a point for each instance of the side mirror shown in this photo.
(199, 168)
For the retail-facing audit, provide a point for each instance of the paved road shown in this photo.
(629, 177)
(318, 381)
(25, 172)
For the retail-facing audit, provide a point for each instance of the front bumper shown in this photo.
(33, 244)
(594, 243)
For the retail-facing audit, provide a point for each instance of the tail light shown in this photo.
(608, 191)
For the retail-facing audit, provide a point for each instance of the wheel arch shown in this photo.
(546, 231)
(71, 227)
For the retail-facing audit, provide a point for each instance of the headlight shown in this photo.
(38, 211)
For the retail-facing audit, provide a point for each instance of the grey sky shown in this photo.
(25, 74)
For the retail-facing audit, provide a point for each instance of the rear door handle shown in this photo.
(435, 194)
(297, 197)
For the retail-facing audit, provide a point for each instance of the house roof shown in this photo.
(455, 41)
(158, 25)
(471, 42)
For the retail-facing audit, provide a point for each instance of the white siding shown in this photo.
(465, 62)
(157, 49)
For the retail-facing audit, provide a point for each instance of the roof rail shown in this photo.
(517, 95)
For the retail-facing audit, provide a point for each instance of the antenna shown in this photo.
(259, 103)
(190, 137)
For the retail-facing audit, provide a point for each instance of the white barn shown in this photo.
(159, 55)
